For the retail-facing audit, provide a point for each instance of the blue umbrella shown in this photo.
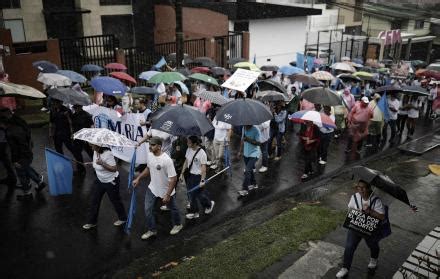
(358, 61)
(108, 85)
(144, 90)
(91, 68)
(132, 208)
(147, 75)
(291, 70)
(74, 76)
(182, 86)
(45, 66)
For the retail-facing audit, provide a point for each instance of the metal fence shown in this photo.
(194, 48)
(353, 48)
(227, 47)
(98, 50)
(138, 61)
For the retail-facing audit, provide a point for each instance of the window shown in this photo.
(396, 25)
(10, 4)
(357, 16)
(17, 29)
(121, 26)
(114, 2)
(419, 24)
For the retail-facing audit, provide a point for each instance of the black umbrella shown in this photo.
(172, 58)
(268, 84)
(389, 89)
(414, 90)
(182, 120)
(184, 71)
(204, 62)
(244, 112)
(322, 95)
(349, 77)
(144, 90)
(271, 68)
(383, 182)
(271, 96)
(45, 66)
(70, 96)
(218, 71)
(236, 60)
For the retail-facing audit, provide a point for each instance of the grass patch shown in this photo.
(255, 249)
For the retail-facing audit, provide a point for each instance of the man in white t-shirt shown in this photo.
(393, 108)
(163, 176)
(365, 201)
(222, 136)
(264, 139)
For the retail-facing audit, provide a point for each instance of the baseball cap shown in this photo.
(365, 100)
(156, 140)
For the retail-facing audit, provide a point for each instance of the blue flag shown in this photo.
(132, 209)
(161, 62)
(310, 63)
(59, 173)
(383, 105)
(300, 60)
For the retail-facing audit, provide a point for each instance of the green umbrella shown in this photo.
(204, 78)
(167, 77)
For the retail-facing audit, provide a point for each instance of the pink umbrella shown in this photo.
(123, 77)
(116, 66)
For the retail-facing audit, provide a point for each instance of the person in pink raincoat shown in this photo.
(358, 120)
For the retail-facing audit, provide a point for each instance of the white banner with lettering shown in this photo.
(127, 125)
(241, 80)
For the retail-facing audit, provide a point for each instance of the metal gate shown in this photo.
(228, 47)
(98, 50)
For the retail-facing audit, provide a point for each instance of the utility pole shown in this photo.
(179, 34)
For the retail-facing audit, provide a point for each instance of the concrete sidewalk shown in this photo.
(322, 259)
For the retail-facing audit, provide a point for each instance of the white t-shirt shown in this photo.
(104, 175)
(401, 110)
(264, 131)
(378, 206)
(221, 130)
(395, 104)
(414, 112)
(161, 170)
(199, 160)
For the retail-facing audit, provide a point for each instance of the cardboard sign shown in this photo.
(361, 223)
(241, 80)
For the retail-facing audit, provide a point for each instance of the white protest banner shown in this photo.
(127, 125)
(241, 80)
(360, 222)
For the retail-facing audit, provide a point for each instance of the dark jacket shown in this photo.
(18, 135)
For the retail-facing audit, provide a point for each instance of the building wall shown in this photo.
(372, 26)
(287, 37)
(33, 19)
(92, 21)
(346, 16)
(197, 23)
(419, 32)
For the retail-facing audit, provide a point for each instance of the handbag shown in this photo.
(186, 172)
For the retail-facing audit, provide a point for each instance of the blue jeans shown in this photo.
(249, 177)
(25, 173)
(197, 195)
(352, 243)
(325, 139)
(150, 202)
(265, 153)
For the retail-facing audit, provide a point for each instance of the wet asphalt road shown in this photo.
(43, 238)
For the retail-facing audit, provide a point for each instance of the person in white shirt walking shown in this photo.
(393, 108)
(432, 96)
(194, 174)
(413, 114)
(264, 139)
(325, 135)
(222, 137)
(163, 176)
(107, 181)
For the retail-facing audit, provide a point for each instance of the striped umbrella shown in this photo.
(342, 66)
(319, 119)
(322, 75)
(213, 97)
(271, 96)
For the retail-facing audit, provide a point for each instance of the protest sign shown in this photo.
(241, 80)
(127, 125)
(360, 222)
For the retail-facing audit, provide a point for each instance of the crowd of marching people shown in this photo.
(370, 115)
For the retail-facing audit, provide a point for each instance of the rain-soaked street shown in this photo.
(43, 238)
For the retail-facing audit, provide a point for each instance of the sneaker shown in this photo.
(213, 167)
(372, 264)
(304, 176)
(192, 216)
(176, 229)
(243, 193)
(342, 273)
(262, 169)
(44, 109)
(88, 226)
(119, 223)
(148, 234)
(253, 187)
(25, 196)
(164, 208)
(277, 158)
(209, 210)
(322, 162)
(336, 136)
(188, 205)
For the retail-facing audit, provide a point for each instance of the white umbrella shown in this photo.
(341, 66)
(322, 75)
(9, 88)
(54, 79)
(103, 136)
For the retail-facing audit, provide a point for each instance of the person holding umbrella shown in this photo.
(278, 127)
(163, 176)
(309, 137)
(194, 174)
(364, 200)
(358, 120)
(325, 137)
(413, 114)
(107, 181)
(250, 144)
